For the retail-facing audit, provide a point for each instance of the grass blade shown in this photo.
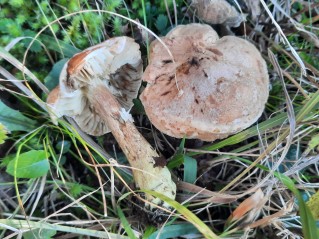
(301, 114)
(309, 227)
(23, 224)
(191, 217)
(125, 223)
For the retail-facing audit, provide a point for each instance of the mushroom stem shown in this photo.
(142, 157)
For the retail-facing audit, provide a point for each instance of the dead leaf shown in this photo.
(247, 205)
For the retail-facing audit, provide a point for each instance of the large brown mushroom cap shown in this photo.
(115, 64)
(221, 85)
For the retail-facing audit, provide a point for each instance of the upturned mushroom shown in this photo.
(96, 89)
(213, 88)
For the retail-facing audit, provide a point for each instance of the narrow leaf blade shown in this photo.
(125, 223)
(190, 169)
(308, 222)
(191, 217)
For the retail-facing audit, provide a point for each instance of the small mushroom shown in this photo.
(96, 89)
(212, 89)
(217, 12)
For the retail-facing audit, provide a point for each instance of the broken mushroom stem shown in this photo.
(140, 154)
(96, 89)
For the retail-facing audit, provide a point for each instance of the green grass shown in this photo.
(79, 186)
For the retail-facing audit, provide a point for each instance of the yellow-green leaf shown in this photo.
(3, 133)
(191, 217)
(32, 164)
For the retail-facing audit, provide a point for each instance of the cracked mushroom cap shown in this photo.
(115, 64)
(221, 85)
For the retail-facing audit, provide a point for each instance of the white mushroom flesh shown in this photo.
(101, 64)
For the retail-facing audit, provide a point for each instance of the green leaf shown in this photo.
(36, 46)
(181, 146)
(148, 232)
(178, 159)
(5, 161)
(63, 146)
(32, 164)
(174, 231)
(60, 46)
(52, 79)
(161, 22)
(3, 133)
(191, 217)
(13, 120)
(190, 169)
(125, 223)
(39, 233)
(138, 107)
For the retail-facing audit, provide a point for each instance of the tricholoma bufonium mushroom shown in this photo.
(211, 88)
(96, 88)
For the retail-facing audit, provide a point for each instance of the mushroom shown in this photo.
(217, 12)
(213, 88)
(103, 61)
(96, 89)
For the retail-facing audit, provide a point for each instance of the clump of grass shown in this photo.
(86, 189)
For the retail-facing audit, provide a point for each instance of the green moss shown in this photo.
(16, 3)
(313, 204)
(26, 18)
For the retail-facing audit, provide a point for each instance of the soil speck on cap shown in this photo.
(159, 161)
